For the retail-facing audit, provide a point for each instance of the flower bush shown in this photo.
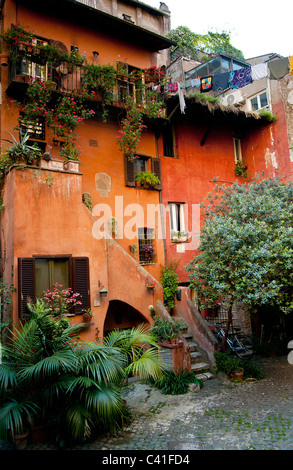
(61, 300)
(131, 129)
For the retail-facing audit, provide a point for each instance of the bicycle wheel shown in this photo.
(243, 347)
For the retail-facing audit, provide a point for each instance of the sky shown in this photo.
(256, 27)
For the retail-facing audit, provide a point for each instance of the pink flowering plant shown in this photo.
(61, 300)
(62, 116)
(131, 129)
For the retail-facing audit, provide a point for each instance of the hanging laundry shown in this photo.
(181, 99)
(259, 71)
(279, 68)
(291, 64)
(240, 78)
(206, 84)
(195, 82)
(185, 84)
(221, 81)
(173, 87)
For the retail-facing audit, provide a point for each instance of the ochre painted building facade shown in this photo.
(47, 230)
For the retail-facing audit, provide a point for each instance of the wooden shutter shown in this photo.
(26, 285)
(156, 169)
(129, 172)
(80, 281)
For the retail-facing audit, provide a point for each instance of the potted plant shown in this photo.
(147, 179)
(21, 151)
(150, 284)
(232, 367)
(87, 315)
(166, 330)
(147, 250)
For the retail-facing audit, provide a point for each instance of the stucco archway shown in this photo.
(121, 315)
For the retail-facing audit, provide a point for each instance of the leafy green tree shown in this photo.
(190, 43)
(246, 247)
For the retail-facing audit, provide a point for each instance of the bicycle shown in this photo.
(240, 344)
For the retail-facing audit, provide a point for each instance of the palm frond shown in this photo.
(146, 365)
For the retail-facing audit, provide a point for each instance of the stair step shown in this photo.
(187, 336)
(205, 376)
(199, 366)
(195, 356)
(192, 347)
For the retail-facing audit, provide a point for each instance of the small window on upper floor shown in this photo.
(259, 101)
(169, 142)
(237, 150)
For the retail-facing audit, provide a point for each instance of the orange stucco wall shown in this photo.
(43, 219)
(189, 177)
(52, 220)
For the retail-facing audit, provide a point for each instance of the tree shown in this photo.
(246, 247)
(190, 43)
(48, 376)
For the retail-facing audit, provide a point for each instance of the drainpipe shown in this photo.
(162, 213)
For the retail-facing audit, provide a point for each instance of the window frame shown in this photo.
(237, 149)
(79, 278)
(148, 239)
(257, 97)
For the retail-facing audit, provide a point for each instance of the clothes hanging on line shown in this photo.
(195, 82)
(259, 71)
(206, 84)
(181, 99)
(173, 87)
(240, 78)
(291, 64)
(221, 81)
(279, 68)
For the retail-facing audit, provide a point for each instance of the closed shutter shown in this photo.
(156, 169)
(26, 285)
(129, 172)
(80, 282)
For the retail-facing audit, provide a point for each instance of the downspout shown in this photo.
(162, 212)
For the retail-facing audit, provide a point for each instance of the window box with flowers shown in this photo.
(179, 237)
(147, 179)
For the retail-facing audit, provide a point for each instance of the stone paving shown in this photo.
(221, 416)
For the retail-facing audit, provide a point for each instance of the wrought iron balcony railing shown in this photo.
(69, 78)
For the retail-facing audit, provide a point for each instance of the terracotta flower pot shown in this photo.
(237, 374)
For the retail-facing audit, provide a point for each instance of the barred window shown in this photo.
(146, 245)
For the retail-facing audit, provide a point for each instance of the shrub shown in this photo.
(176, 383)
(227, 364)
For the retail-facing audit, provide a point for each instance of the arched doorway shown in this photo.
(121, 315)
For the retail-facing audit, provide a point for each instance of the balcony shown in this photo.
(95, 83)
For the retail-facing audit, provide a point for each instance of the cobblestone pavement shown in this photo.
(221, 416)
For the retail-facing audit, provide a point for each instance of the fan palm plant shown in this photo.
(139, 350)
(46, 374)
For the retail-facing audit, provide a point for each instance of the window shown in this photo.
(177, 219)
(37, 274)
(260, 101)
(237, 150)
(142, 163)
(146, 247)
(169, 144)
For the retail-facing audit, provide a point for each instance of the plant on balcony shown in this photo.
(62, 117)
(147, 179)
(131, 129)
(241, 169)
(19, 152)
(98, 82)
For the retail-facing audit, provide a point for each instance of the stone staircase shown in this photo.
(199, 365)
